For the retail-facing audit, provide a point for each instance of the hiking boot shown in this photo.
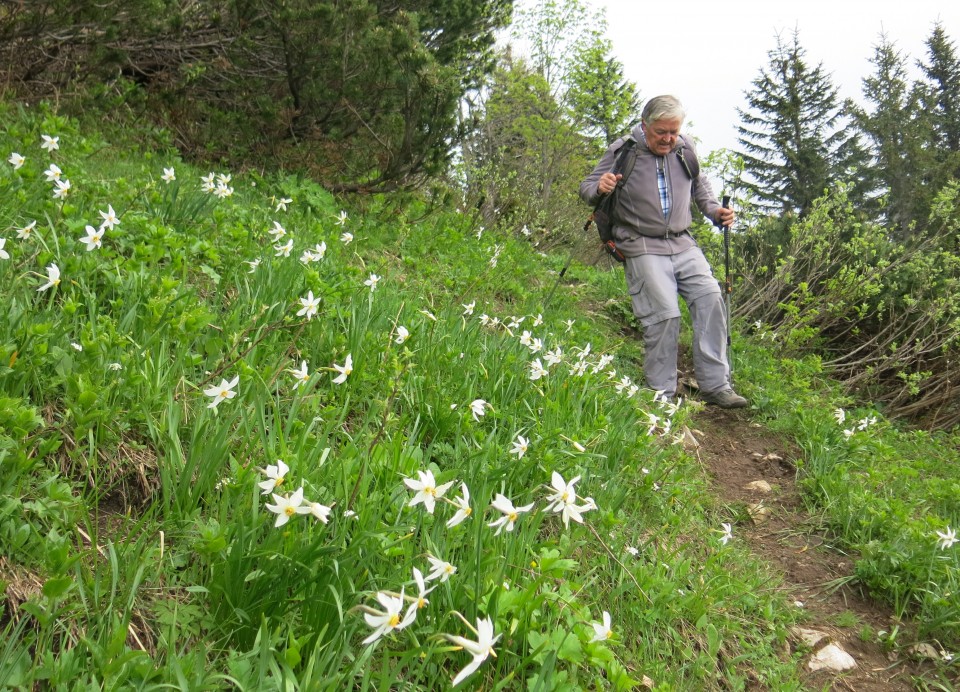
(725, 398)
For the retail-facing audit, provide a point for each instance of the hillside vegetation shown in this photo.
(256, 436)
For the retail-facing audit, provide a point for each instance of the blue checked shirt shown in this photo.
(662, 185)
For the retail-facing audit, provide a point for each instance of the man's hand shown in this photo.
(724, 217)
(607, 182)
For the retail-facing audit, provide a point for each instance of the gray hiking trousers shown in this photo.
(654, 282)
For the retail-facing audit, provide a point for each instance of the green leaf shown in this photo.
(57, 586)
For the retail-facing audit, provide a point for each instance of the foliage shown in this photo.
(314, 85)
(142, 502)
(882, 314)
(526, 160)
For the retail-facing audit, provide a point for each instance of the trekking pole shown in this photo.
(727, 287)
(546, 303)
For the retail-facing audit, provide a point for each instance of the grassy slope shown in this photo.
(192, 584)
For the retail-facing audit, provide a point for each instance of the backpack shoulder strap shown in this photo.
(688, 159)
(626, 158)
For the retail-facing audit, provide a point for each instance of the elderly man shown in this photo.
(652, 231)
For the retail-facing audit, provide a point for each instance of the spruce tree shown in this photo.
(796, 142)
(941, 101)
(601, 100)
(897, 129)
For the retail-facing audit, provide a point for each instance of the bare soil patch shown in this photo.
(776, 525)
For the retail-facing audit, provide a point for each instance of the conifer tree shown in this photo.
(796, 142)
(600, 98)
(897, 129)
(942, 91)
(941, 101)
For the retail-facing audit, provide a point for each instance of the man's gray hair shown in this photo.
(664, 107)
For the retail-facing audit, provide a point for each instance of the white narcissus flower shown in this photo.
(320, 512)
(286, 507)
(480, 649)
(538, 320)
(553, 357)
(346, 238)
(284, 249)
(402, 334)
(468, 307)
(253, 265)
(564, 498)
(301, 374)
(372, 282)
(840, 415)
(49, 143)
(520, 446)
(537, 370)
(429, 315)
(169, 175)
(440, 569)
(61, 189)
(16, 160)
(25, 232)
(947, 538)
(727, 533)
(277, 232)
(53, 277)
(115, 366)
(224, 390)
(275, 473)
(502, 504)
(282, 203)
(602, 632)
(320, 250)
(3, 253)
(206, 182)
(109, 218)
(341, 218)
(427, 490)
(76, 346)
(389, 619)
(526, 338)
(479, 408)
(310, 305)
(93, 238)
(462, 504)
(53, 173)
(344, 370)
(421, 600)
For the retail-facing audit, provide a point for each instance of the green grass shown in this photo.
(133, 509)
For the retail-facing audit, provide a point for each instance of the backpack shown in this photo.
(604, 214)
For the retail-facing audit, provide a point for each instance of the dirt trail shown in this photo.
(736, 452)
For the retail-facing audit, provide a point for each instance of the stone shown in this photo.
(810, 638)
(689, 441)
(831, 657)
(758, 486)
(924, 651)
(759, 512)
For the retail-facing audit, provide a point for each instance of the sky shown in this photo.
(708, 53)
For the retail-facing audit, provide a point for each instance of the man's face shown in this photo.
(662, 136)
